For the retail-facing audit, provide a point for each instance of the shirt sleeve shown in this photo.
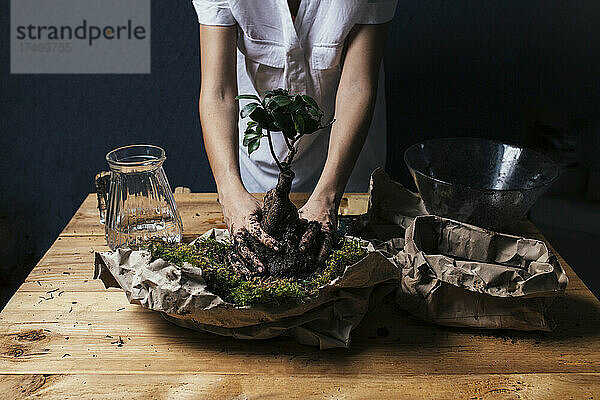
(378, 12)
(214, 12)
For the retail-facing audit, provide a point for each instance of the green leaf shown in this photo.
(310, 126)
(251, 134)
(252, 124)
(281, 100)
(298, 123)
(271, 105)
(248, 139)
(249, 130)
(315, 112)
(261, 116)
(282, 121)
(247, 97)
(248, 109)
(273, 127)
(310, 101)
(280, 91)
(253, 146)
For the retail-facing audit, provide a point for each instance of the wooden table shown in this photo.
(64, 336)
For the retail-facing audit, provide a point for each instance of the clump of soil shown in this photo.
(232, 286)
(280, 219)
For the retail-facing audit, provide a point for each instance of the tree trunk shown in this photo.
(278, 211)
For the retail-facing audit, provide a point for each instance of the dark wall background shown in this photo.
(460, 68)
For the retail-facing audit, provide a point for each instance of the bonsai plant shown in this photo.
(299, 267)
(294, 115)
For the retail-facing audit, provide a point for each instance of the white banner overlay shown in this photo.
(80, 36)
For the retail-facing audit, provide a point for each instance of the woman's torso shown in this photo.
(304, 55)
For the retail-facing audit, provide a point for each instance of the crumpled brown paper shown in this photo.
(391, 210)
(461, 275)
(181, 295)
(443, 271)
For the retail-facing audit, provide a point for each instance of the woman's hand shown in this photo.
(324, 211)
(355, 101)
(242, 212)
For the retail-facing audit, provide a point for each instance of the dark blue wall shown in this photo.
(477, 68)
(470, 68)
(56, 130)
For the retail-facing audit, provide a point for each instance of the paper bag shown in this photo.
(461, 275)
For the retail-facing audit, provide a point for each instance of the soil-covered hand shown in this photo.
(322, 216)
(242, 216)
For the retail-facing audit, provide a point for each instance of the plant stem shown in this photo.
(273, 151)
(290, 156)
(293, 150)
(287, 141)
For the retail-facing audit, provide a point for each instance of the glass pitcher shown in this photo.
(135, 200)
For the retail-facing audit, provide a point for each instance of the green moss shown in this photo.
(232, 287)
(338, 260)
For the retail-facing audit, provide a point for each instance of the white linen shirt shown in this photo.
(303, 57)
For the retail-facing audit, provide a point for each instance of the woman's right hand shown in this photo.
(242, 214)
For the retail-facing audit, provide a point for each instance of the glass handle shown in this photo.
(101, 182)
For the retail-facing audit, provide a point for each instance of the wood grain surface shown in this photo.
(63, 335)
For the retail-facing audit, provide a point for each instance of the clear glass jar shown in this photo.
(135, 200)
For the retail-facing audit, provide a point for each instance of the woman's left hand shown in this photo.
(325, 213)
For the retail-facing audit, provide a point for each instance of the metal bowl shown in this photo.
(478, 181)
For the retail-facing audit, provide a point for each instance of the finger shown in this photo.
(328, 241)
(258, 232)
(312, 230)
(238, 265)
(326, 246)
(244, 252)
